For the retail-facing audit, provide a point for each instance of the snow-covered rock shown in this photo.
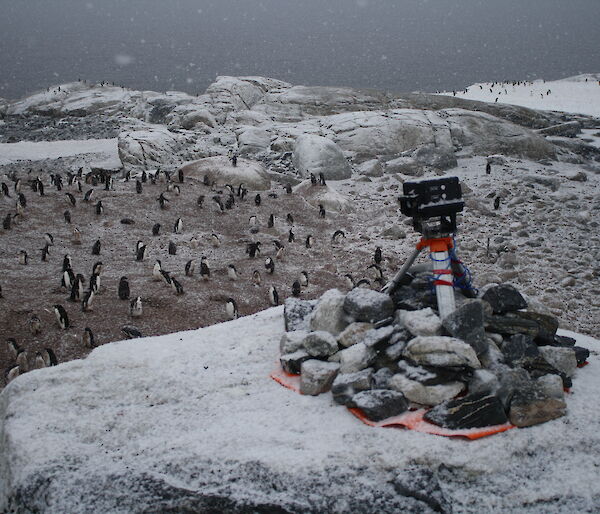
(326, 195)
(220, 170)
(441, 351)
(149, 148)
(316, 155)
(329, 313)
(425, 394)
(166, 425)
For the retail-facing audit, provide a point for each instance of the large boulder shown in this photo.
(220, 170)
(253, 140)
(329, 313)
(151, 147)
(368, 306)
(326, 196)
(317, 154)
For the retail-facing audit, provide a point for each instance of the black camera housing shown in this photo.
(432, 198)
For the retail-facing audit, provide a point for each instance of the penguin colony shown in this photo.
(94, 276)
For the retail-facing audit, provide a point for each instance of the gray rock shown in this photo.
(377, 337)
(346, 385)
(292, 362)
(220, 170)
(547, 323)
(320, 344)
(329, 313)
(353, 333)
(441, 351)
(512, 324)
(532, 406)
(504, 298)
(379, 404)
(296, 314)
(423, 322)
(563, 359)
(466, 323)
(370, 168)
(393, 232)
(381, 378)
(424, 394)
(291, 341)
(484, 381)
(368, 305)
(356, 358)
(552, 183)
(317, 376)
(511, 380)
(552, 386)
(492, 356)
(317, 154)
(568, 129)
(472, 411)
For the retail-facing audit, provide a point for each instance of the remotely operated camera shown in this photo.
(432, 204)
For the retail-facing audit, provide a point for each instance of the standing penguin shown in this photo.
(232, 272)
(99, 207)
(88, 195)
(23, 257)
(156, 270)
(279, 249)
(488, 168)
(290, 219)
(39, 361)
(177, 287)
(303, 279)
(172, 248)
(95, 283)
(135, 307)
(313, 179)
(156, 229)
(71, 199)
(269, 265)
(49, 239)
(296, 288)
(67, 262)
(377, 255)
(138, 187)
(96, 247)
(496, 203)
(216, 242)
(309, 241)
(144, 176)
(257, 199)
(67, 216)
(35, 325)
(271, 221)
(322, 179)
(256, 279)
(178, 227)
(189, 267)
(12, 373)
(291, 236)
(141, 253)
(61, 316)
(180, 176)
(321, 210)
(5, 190)
(123, 288)
(49, 357)
(231, 308)
(87, 338)
(162, 201)
(204, 269)
(273, 296)
(45, 253)
(86, 303)
(288, 188)
(68, 279)
(97, 268)
(200, 201)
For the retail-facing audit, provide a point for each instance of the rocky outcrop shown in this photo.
(319, 155)
(152, 147)
(221, 171)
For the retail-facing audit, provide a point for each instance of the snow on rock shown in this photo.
(441, 351)
(192, 421)
(326, 195)
(36, 151)
(220, 170)
(253, 140)
(316, 155)
(151, 147)
(423, 322)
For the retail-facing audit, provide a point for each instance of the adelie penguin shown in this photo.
(7, 222)
(256, 279)
(349, 279)
(271, 221)
(253, 249)
(313, 179)
(309, 241)
(215, 241)
(232, 272)
(95, 283)
(273, 296)
(303, 279)
(291, 236)
(77, 288)
(166, 276)
(97, 268)
(204, 269)
(123, 288)
(322, 179)
(61, 317)
(337, 236)
(269, 265)
(39, 362)
(49, 357)
(13, 347)
(138, 187)
(377, 255)
(86, 302)
(290, 219)
(200, 201)
(162, 201)
(12, 373)
(49, 239)
(231, 308)
(35, 325)
(88, 195)
(87, 338)
(177, 287)
(71, 199)
(257, 200)
(172, 248)
(178, 227)
(23, 258)
(156, 229)
(67, 216)
(135, 307)
(68, 279)
(296, 288)
(45, 253)
(99, 207)
(96, 247)
(67, 262)
(156, 271)
(321, 210)
(5, 190)
(496, 203)
(141, 253)
(279, 249)
(189, 267)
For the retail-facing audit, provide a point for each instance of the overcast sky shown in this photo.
(400, 45)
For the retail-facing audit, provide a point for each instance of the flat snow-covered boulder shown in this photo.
(317, 154)
(326, 195)
(220, 170)
(153, 146)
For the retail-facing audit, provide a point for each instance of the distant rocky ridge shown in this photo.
(264, 118)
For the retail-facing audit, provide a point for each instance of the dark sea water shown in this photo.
(399, 45)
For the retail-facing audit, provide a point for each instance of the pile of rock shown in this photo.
(495, 359)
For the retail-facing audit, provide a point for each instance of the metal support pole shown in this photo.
(391, 286)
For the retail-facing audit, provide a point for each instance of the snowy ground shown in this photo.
(574, 94)
(152, 412)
